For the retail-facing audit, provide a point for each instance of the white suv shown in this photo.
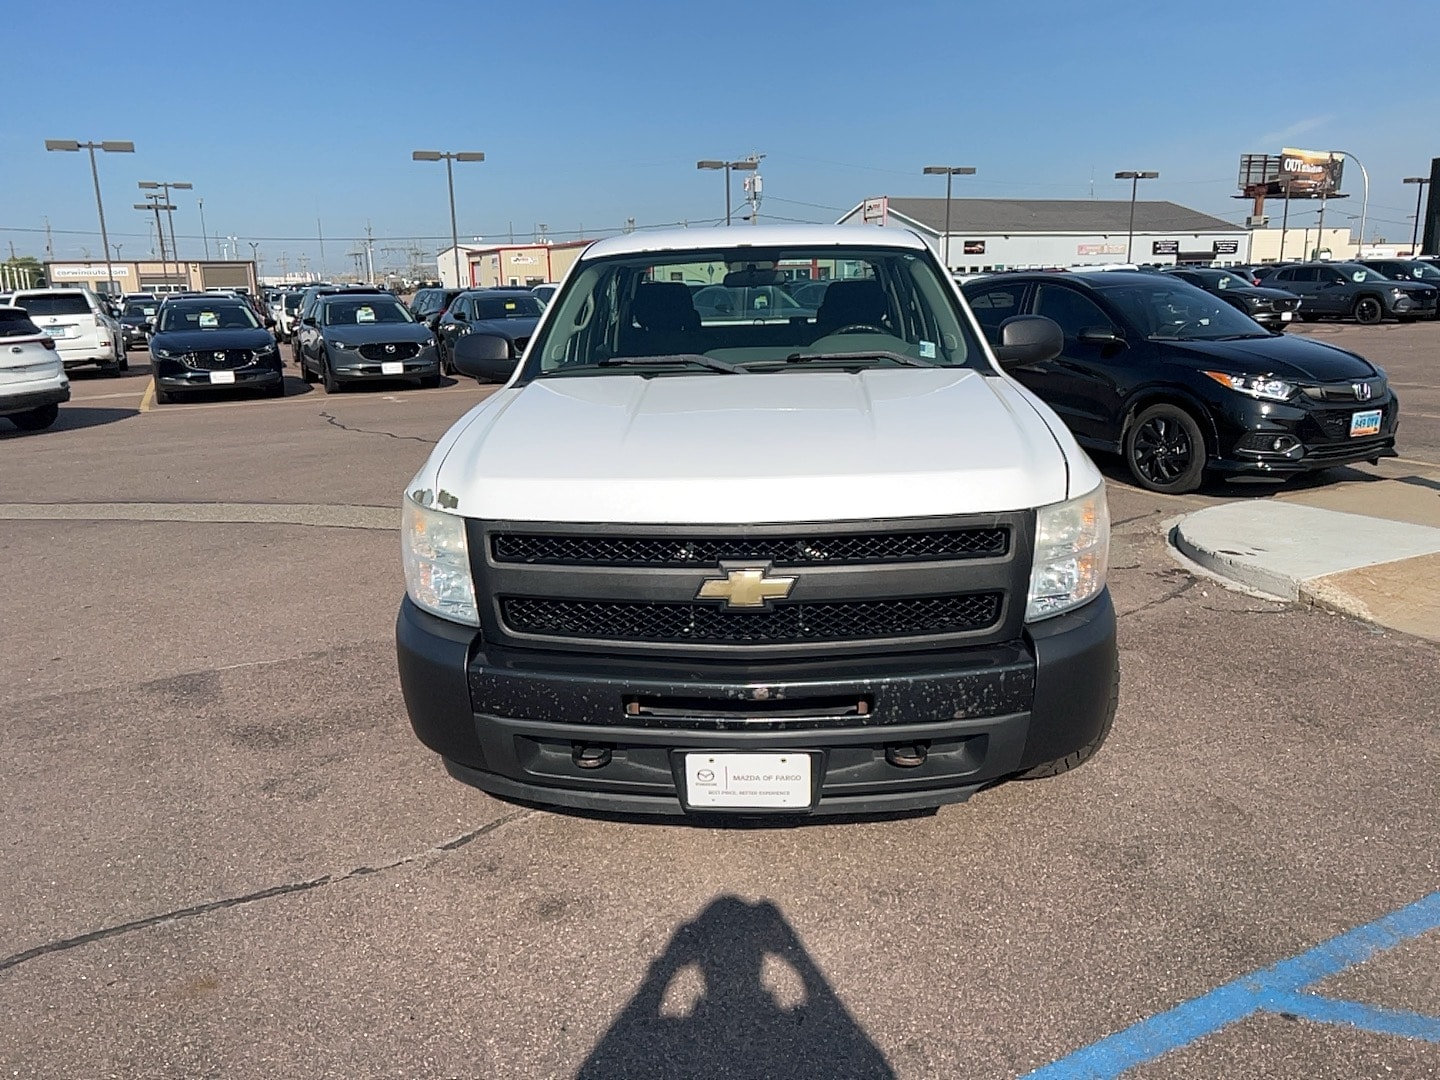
(32, 378)
(84, 332)
(802, 553)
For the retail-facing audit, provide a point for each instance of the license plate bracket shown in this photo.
(750, 781)
(222, 378)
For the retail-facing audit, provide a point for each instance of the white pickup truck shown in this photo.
(776, 558)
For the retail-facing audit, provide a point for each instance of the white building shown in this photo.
(1009, 234)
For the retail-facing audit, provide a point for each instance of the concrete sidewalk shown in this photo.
(1370, 550)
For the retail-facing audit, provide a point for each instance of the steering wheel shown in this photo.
(861, 328)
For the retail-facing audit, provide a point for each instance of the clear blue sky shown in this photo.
(590, 113)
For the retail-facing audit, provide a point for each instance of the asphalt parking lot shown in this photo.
(226, 854)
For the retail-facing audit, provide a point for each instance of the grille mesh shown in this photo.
(799, 622)
(816, 550)
(404, 350)
(219, 360)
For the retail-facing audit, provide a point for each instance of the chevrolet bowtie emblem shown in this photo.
(749, 588)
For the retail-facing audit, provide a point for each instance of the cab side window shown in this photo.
(1072, 311)
(993, 306)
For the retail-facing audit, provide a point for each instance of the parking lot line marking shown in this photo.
(147, 399)
(1193, 1020)
(1356, 1014)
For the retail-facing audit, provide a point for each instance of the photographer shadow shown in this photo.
(705, 1009)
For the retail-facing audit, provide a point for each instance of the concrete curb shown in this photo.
(1295, 552)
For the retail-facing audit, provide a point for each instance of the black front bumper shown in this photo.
(175, 377)
(1320, 433)
(511, 724)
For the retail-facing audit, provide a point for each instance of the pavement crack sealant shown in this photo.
(64, 944)
(333, 422)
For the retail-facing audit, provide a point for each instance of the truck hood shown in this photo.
(713, 449)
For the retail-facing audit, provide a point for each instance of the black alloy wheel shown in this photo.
(1368, 311)
(1165, 450)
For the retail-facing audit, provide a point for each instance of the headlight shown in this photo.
(1072, 551)
(164, 354)
(437, 563)
(339, 344)
(264, 349)
(1257, 386)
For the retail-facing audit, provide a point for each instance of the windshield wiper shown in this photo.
(858, 357)
(673, 358)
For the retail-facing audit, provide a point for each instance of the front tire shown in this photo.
(1165, 450)
(1368, 311)
(164, 397)
(332, 384)
(36, 419)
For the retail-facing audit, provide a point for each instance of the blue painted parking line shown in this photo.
(1277, 989)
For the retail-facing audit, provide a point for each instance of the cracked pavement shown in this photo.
(226, 855)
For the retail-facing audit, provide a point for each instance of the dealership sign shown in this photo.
(1099, 249)
(1165, 247)
(1226, 247)
(875, 211)
(87, 271)
(974, 247)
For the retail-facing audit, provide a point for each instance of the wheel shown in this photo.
(164, 397)
(275, 391)
(1165, 450)
(430, 382)
(1086, 752)
(36, 419)
(1307, 317)
(446, 365)
(112, 369)
(332, 384)
(1368, 311)
(124, 363)
(1406, 318)
(304, 370)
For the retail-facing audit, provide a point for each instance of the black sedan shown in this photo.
(1272, 308)
(135, 316)
(219, 343)
(1181, 384)
(362, 337)
(508, 313)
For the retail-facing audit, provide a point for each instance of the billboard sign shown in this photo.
(1309, 174)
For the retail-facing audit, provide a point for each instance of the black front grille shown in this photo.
(1353, 450)
(793, 550)
(400, 350)
(702, 623)
(219, 359)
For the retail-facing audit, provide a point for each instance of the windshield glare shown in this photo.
(1182, 313)
(231, 316)
(363, 312)
(757, 309)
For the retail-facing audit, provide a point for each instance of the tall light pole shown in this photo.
(154, 203)
(1134, 178)
(109, 147)
(205, 235)
(1419, 195)
(948, 171)
(165, 186)
(739, 166)
(1364, 197)
(449, 159)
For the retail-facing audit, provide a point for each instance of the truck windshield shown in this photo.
(756, 309)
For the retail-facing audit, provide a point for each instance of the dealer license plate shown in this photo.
(222, 376)
(748, 781)
(1286, 316)
(1365, 423)
(55, 331)
(392, 367)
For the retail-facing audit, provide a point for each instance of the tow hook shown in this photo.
(907, 755)
(588, 756)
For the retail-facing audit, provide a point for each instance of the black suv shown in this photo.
(1273, 308)
(427, 304)
(1180, 383)
(1350, 290)
(507, 313)
(1421, 270)
(210, 343)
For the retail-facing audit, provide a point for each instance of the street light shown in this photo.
(1364, 197)
(948, 171)
(155, 203)
(1134, 178)
(448, 158)
(72, 146)
(152, 185)
(740, 166)
(1419, 194)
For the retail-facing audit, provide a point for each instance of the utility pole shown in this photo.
(754, 189)
(369, 253)
(284, 261)
(49, 247)
(203, 234)
(320, 232)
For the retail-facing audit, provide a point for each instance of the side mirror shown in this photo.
(1100, 335)
(1029, 339)
(269, 323)
(309, 320)
(459, 316)
(484, 357)
(149, 326)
